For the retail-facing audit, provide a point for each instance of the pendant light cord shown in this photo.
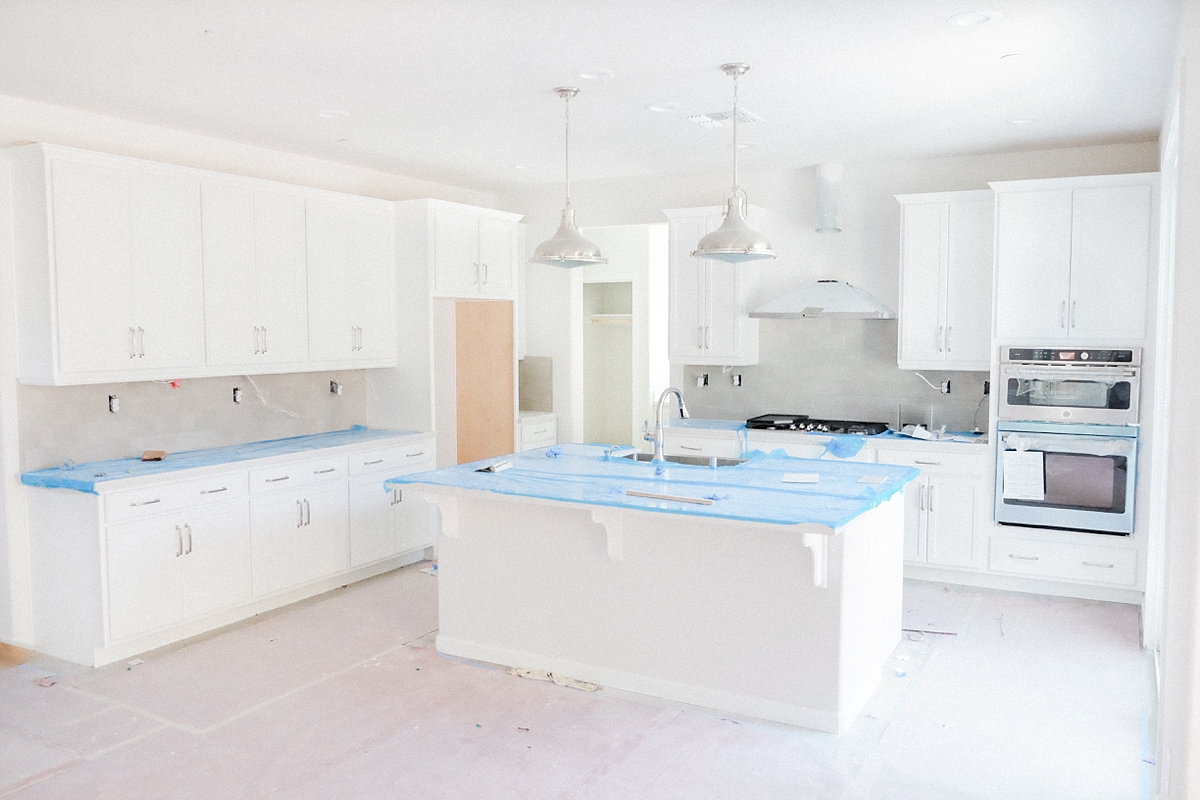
(567, 98)
(735, 134)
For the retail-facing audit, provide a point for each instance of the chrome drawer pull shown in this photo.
(146, 503)
(929, 463)
(1101, 566)
(376, 461)
(685, 447)
(1022, 558)
(214, 491)
(276, 480)
(414, 455)
(323, 471)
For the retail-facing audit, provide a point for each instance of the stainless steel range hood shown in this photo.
(825, 299)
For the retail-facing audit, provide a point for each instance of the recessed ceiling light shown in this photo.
(1022, 120)
(664, 108)
(596, 74)
(972, 19)
(332, 114)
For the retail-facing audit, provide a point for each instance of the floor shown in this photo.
(345, 696)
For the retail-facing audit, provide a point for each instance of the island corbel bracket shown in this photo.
(819, 544)
(614, 530)
(448, 506)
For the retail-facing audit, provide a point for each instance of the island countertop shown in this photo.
(763, 489)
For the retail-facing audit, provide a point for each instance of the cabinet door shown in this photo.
(455, 252)
(298, 537)
(331, 334)
(144, 576)
(414, 521)
(216, 560)
(723, 292)
(166, 263)
(950, 521)
(93, 281)
(922, 265)
(280, 277)
(1033, 258)
(372, 520)
(497, 247)
(968, 292)
(686, 292)
(914, 520)
(371, 278)
(231, 330)
(1110, 256)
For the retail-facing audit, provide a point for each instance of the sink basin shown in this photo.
(696, 461)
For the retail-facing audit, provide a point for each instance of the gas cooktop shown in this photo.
(804, 424)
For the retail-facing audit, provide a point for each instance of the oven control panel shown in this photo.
(1072, 355)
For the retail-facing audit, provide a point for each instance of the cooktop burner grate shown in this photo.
(803, 423)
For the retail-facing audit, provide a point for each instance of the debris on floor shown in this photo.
(561, 680)
(47, 680)
(430, 570)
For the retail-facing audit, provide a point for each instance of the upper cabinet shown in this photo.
(351, 282)
(129, 270)
(255, 284)
(946, 281)
(708, 312)
(1073, 257)
(108, 268)
(474, 251)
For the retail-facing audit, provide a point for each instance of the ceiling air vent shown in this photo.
(714, 119)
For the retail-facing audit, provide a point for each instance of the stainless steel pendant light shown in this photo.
(567, 247)
(735, 241)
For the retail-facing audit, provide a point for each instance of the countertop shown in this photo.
(887, 439)
(84, 477)
(753, 491)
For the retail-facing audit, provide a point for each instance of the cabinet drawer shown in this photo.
(394, 459)
(722, 447)
(1072, 562)
(165, 498)
(932, 461)
(539, 434)
(286, 476)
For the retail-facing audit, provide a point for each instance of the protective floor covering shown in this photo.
(344, 696)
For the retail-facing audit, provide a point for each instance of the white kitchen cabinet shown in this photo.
(474, 251)
(537, 429)
(708, 300)
(387, 522)
(1073, 257)
(351, 282)
(108, 265)
(255, 284)
(174, 567)
(1058, 560)
(946, 281)
(151, 559)
(942, 507)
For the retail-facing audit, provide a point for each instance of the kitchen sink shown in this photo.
(696, 461)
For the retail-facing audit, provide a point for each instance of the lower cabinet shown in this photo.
(299, 535)
(165, 570)
(1043, 558)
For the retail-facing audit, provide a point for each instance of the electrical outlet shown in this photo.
(945, 388)
(987, 387)
(114, 404)
(736, 379)
(237, 394)
(335, 388)
(702, 379)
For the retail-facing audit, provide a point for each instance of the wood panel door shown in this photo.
(483, 346)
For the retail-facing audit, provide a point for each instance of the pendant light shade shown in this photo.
(567, 247)
(734, 241)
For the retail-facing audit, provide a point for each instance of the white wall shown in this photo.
(45, 426)
(826, 367)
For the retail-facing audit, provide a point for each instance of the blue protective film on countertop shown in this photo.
(754, 491)
(845, 445)
(84, 477)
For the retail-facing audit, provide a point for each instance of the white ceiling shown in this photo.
(460, 91)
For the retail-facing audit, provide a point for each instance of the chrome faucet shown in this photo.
(658, 416)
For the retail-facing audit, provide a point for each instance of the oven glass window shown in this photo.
(1069, 394)
(1083, 482)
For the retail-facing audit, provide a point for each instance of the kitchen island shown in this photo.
(749, 588)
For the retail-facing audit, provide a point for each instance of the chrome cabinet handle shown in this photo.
(324, 471)
(146, 502)
(948, 329)
(476, 265)
(179, 536)
(485, 274)
(214, 491)
(707, 336)
(376, 461)
(1022, 558)
(414, 455)
(685, 447)
(307, 513)
(141, 339)
(1099, 566)
(929, 463)
(931, 499)
(276, 480)
(257, 347)
(264, 330)
(188, 529)
(397, 496)
(700, 337)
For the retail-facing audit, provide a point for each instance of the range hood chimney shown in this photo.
(825, 299)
